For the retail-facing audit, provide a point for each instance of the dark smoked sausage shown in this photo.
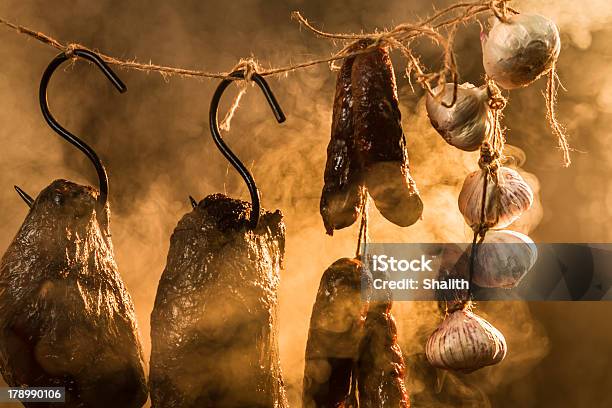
(381, 365)
(336, 328)
(343, 192)
(352, 355)
(66, 318)
(367, 147)
(380, 140)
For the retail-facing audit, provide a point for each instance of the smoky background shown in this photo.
(155, 143)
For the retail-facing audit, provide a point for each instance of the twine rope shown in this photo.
(362, 239)
(551, 115)
(399, 37)
(491, 153)
(249, 67)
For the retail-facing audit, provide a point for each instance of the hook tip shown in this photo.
(117, 82)
(121, 86)
(24, 196)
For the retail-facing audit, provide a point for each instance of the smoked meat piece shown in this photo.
(214, 325)
(336, 328)
(381, 365)
(380, 141)
(343, 192)
(66, 318)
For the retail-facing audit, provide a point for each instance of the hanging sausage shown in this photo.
(380, 140)
(336, 329)
(343, 193)
(381, 364)
(367, 150)
(352, 356)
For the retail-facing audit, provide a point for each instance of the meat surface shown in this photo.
(380, 140)
(66, 318)
(214, 324)
(343, 192)
(336, 328)
(381, 365)
(367, 147)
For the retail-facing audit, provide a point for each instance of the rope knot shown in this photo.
(500, 9)
(383, 40)
(482, 231)
(489, 159)
(248, 66)
(69, 50)
(497, 101)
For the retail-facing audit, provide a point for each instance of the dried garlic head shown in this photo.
(503, 259)
(467, 122)
(505, 200)
(517, 52)
(465, 342)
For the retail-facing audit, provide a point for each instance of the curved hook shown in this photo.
(60, 130)
(229, 155)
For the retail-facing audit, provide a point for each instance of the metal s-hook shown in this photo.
(65, 134)
(229, 155)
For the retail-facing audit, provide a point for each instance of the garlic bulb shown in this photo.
(503, 259)
(465, 342)
(518, 52)
(505, 200)
(466, 123)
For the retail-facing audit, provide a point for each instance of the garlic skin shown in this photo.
(504, 202)
(465, 342)
(503, 259)
(465, 124)
(516, 53)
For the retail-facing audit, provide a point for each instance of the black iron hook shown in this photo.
(59, 129)
(229, 155)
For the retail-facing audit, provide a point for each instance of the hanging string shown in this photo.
(551, 100)
(399, 35)
(491, 153)
(481, 230)
(395, 39)
(227, 120)
(362, 239)
(399, 38)
(249, 67)
(497, 103)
